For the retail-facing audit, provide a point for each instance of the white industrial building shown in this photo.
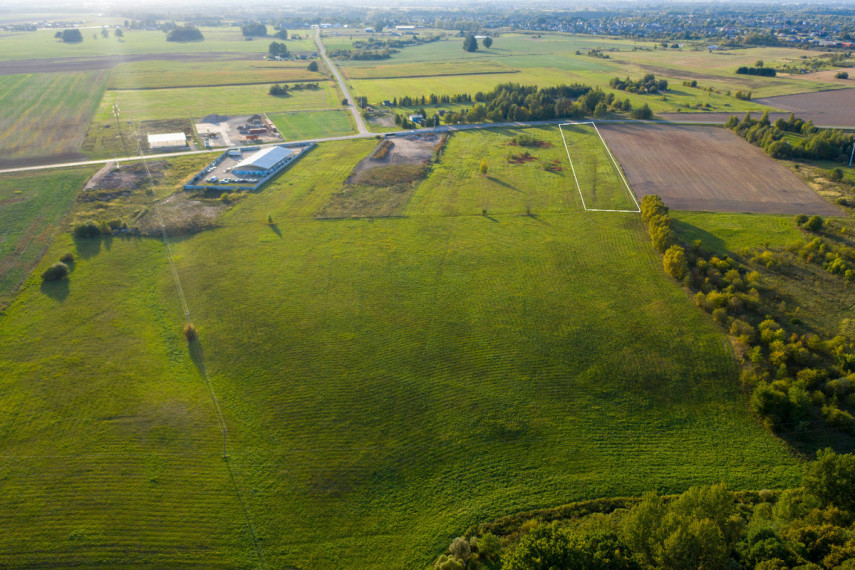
(167, 141)
(265, 162)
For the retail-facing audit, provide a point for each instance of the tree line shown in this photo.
(515, 102)
(184, 34)
(797, 381)
(708, 527)
(813, 144)
(761, 71)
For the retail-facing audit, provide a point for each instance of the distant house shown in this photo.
(405, 28)
(387, 103)
(265, 162)
(416, 119)
(369, 30)
(167, 141)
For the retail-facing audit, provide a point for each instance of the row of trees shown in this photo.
(814, 143)
(762, 71)
(647, 84)
(797, 381)
(279, 90)
(702, 528)
(515, 102)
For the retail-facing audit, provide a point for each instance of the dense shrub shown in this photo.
(313, 66)
(190, 332)
(55, 272)
(674, 261)
(87, 229)
(642, 113)
(67, 258)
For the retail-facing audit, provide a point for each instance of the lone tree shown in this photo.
(470, 43)
(119, 33)
(483, 168)
(313, 66)
(281, 34)
(72, 36)
(488, 41)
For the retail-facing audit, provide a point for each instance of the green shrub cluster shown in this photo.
(647, 84)
(55, 272)
(705, 527)
(814, 143)
(835, 258)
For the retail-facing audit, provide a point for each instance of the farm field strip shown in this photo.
(709, 168)
(200, 101)
(46, 115)
(594, 174)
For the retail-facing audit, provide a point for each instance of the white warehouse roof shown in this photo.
(265, 159)
(167, 139)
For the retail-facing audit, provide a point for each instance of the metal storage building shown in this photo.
(167, 141)
(265, 162)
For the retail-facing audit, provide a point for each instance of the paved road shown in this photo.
(357, 116)
(365, 135)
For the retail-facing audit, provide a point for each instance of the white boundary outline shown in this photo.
(620, 173)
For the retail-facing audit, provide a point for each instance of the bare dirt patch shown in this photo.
(832, 108)
(120, 180)
(182, 213)
(708, 169)
(383, 182)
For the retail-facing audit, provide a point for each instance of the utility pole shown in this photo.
(852, 155)
(119, 126)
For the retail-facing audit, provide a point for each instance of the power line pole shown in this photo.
(852, 155)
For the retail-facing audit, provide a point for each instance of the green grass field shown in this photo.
(383, 382)
(31, 209)
(46, 115)
(197, 102)
(308, 125)
(597, 176)
(552, 60)
(160, 74)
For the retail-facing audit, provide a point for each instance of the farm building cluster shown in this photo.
(220, 130)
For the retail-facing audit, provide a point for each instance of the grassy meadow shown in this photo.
(151, 104)
(46, 115)
(308, 125)
(442, 67)
(385, 382)
(32, 207)
(162, 74)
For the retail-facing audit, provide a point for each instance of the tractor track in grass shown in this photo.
(195, 349)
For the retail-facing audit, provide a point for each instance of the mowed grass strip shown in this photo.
(457, 187)
(396, 380)
(309, 125)
(46, 115)
(599, 179)
(198, 102)
(160, 74)
(111, 451)
(32, 207)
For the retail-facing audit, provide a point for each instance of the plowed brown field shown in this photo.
(708, 169)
